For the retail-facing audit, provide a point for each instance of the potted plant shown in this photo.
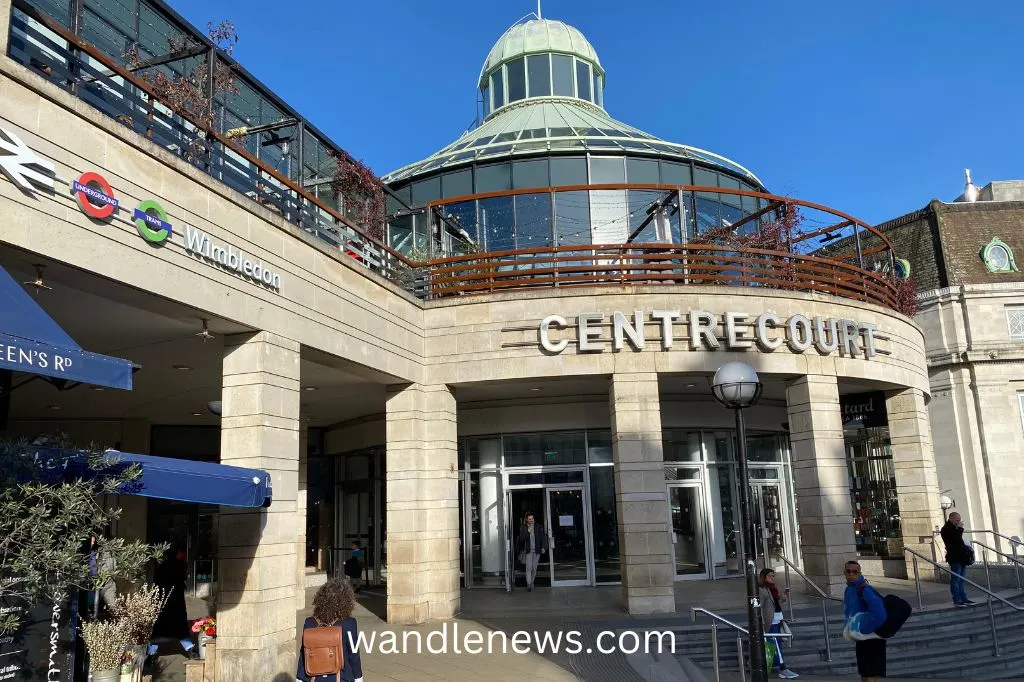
(137, 612)
(106, 642)
(206, 628)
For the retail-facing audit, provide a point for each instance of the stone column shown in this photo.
(645, 551)
(917, 481)
(821, 480)
(5, 25)
(256, 603)
(422, 504)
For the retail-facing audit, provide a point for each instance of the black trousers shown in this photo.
(871, 658)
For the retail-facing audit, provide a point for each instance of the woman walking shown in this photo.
(332, 607)
(532, 543)
(772, 619)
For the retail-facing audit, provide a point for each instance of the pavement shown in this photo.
(427, 653)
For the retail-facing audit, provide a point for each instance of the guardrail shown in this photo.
(822, 596)
(740, 632)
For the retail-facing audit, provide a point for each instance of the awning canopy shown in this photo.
(30, 341)
(202, 482)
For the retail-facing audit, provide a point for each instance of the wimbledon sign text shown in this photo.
(707, 331)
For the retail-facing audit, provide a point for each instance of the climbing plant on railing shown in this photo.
(361, 192)
(773, 232)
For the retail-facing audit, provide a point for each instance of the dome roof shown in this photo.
(539, 35)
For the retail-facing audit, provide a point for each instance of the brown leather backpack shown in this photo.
(322, 650)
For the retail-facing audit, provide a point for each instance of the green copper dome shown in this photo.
(537, 36)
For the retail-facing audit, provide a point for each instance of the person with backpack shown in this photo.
(327, 653)
(865, 613)
(959, 556)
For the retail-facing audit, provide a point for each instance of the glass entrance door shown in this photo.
(686, 508)
(568, 536)
(519, 502)
(769, 510)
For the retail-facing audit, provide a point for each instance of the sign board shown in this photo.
(705, 330)
(566, 521)
(42, 649)
(867, 409)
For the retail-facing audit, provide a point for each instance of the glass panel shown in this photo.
(400, 234)
(687, 530)
(599, 447)
(495, 177)
(731, 183)
(516, 71)
(463, 214)
(535, 449)
(604, 522)
(682, 446)
(486, 523)
(568, 171)
(606, 170)
(426, 190)
(609, 216)
(642, 171)
(768, 506)
(457, 184)
(522, 502)
(572, 217)
(540, 75)
(533, 221)
(682, 473)
(583, 80)
(675, 173)
(498, 88)
(704, 178)
(764, 448)
(529, 174)
(598, 95)
(487, 100)
(561, 66)
(708, 212)
(568, 535)
(725, 549)
(497, 219)
(639, 202)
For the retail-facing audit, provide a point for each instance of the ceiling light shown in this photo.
(55, 407)
(535, 388)
(97, 388)
(184, 368)
(690, 385)
(309, 388)
(197, 414)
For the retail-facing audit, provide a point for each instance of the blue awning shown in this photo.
(202, 482)
(30, 341)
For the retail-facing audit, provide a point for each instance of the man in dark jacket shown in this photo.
(958, 556)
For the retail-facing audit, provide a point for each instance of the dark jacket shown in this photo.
(956, 549)
(353, 669)
(540, 536)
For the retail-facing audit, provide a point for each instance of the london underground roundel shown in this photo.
(95, 196)
(151, 221)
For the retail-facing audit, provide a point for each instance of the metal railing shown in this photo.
(740, 632)
(1012, 559)
(988, 591)
(822, 596)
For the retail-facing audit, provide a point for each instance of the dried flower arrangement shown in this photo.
(138, 612)
(106, 641)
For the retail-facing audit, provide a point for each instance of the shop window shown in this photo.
(876, 512)
(561, 69)
(516, 71)
(1015, 322)
(539, 68)
(583, 80)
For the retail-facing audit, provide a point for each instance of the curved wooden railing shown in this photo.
(632, 264)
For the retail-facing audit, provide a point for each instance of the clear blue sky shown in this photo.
(873, 107)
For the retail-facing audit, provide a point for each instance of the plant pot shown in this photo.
(203, 639)
(106, 675)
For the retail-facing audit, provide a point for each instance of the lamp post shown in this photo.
(946, 502)
(737, 387)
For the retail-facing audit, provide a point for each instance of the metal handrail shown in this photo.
(740, 631)
(822, 595)
(991, 595)
(1017, 563)
(1014, 541)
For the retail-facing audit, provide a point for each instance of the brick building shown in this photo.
(961, 256)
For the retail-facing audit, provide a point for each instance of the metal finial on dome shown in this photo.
(538, 10)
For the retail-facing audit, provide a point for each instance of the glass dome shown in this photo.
(544, 126)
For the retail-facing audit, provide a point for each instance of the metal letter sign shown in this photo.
(17, 163)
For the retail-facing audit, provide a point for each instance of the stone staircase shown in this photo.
(936, 643)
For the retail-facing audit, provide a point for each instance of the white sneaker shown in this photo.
(788, 675)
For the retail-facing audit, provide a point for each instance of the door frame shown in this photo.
(587, 533)
(757, 487)
(701, 507)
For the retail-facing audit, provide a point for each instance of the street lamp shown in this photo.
(946, 502)
(737, 387)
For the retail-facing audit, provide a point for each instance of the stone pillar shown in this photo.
(422, 504)
(5, 25)
(256, 603)
(645, 551)
(821, 480)
(917, 481)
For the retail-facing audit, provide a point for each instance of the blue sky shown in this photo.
(872, 107)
